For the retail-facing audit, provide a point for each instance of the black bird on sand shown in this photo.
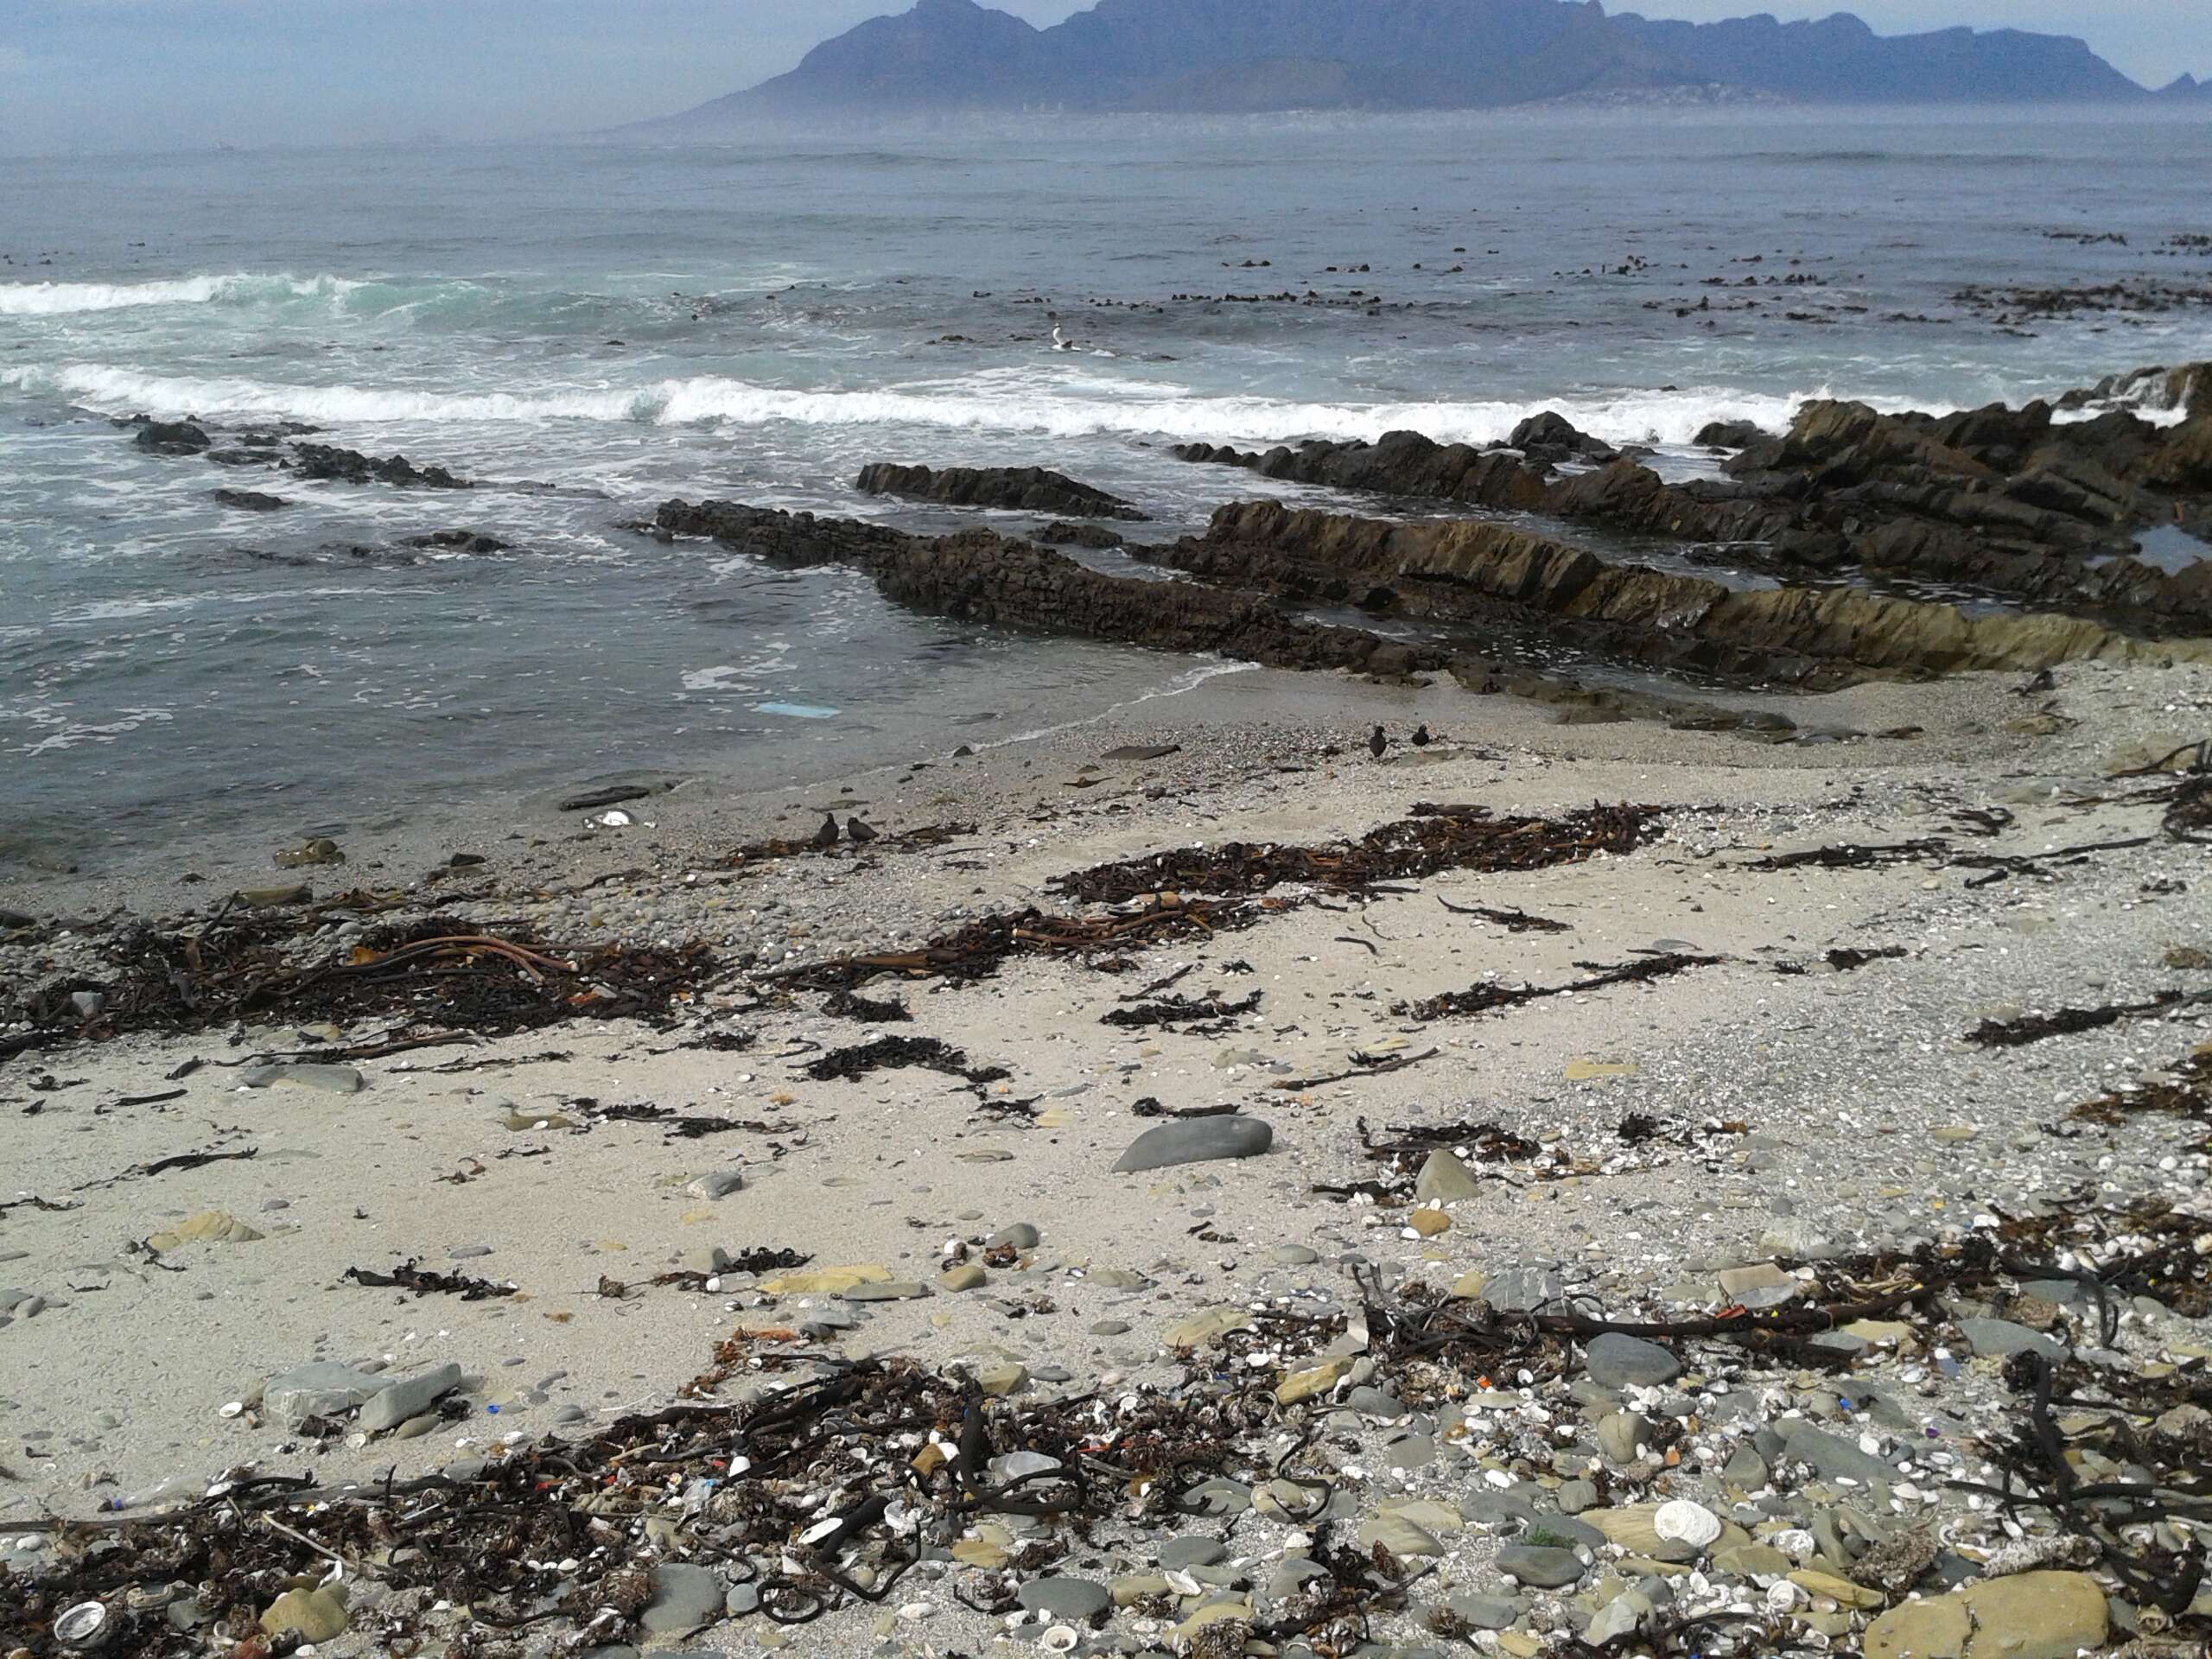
(1378, 745)
(827, 835)
(1420, 737)
(858, 833)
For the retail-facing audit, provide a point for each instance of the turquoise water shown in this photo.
(588, 330)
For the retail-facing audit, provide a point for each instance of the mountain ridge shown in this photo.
(1237, 56)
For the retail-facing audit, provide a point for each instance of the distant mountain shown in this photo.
(2188, 90)
(1227, 55)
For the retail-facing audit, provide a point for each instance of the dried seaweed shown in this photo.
(411, 1274)
(1422, 845)
(874, 1011)
(1169, 1011)
(1513, 921)
(1486, 999)
(679, 1126)
(2035, 1027)
(891, 1053)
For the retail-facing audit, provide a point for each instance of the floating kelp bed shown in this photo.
(1433, 839)
(1196, 893)
(439, 972)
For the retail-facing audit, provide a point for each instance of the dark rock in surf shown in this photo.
(324, 460)
(1551, 437)
(460, 541)
(1062, 534)
(173, 438)
(1027, 489)
(251, 500)
(1728, 434)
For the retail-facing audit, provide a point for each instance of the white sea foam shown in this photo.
(1667, 417)
(59, 299)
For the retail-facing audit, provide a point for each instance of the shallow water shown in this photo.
(592, 329)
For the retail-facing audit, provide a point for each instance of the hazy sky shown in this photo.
(186, 73)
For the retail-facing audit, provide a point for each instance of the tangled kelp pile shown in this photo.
(434, 975)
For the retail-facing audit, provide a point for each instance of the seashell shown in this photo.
(1061, 1639)
(1683, 1522)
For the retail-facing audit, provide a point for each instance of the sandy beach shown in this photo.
(1645, 1150)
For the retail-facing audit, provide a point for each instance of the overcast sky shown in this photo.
(168, 74)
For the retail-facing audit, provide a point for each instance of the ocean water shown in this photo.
(589, 329)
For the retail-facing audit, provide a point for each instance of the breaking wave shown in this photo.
(242, 288)
(979, 404)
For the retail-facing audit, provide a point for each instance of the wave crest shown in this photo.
(240, 288)
(977, 405)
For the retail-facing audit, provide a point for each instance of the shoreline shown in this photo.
(510, 1169)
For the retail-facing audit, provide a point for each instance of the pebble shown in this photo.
(717, 1183)
(1621, 1361)
(1072, 1598)
(1444, 1178)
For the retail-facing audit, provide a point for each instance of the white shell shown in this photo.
(233, 1409)
(1061, 1639)
(1685, 1523)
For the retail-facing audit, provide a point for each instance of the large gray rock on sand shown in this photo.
(322, 1388)
(409, 1397)
(1196, 1141)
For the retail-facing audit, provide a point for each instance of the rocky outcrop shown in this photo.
(2012, 502)
(351, 467)
(980, 576)
(1488, 572)
(173, 437)
(1399, 463)
(1022, 489)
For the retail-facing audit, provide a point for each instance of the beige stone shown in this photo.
(315, 1615)
(1314, 1379)
(1429, 1222)
(1196, 1330)
(1843, 1591)
(825, 1281)
(208, 1227)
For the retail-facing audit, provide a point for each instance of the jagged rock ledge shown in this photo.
(1488, 572)
(2014, 502)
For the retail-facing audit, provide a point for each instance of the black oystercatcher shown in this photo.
(1378, 745)
(827, 835)
(858, 833)
(1420, 737)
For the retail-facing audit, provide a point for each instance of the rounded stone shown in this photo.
(1069, 1599)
